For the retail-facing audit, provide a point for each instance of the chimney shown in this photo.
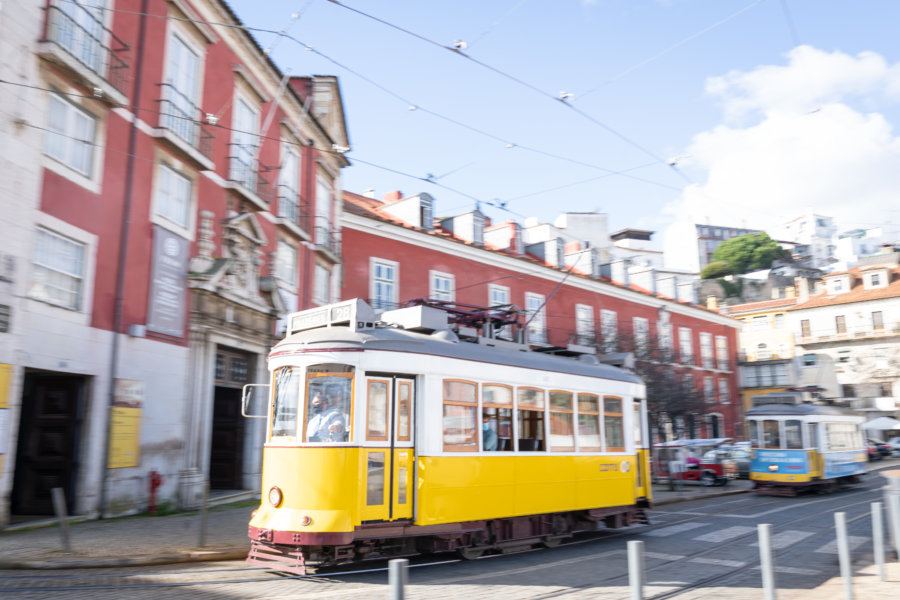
(802, 286)
(712, 303)
(393, 196)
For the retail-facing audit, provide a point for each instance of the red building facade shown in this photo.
(393, 253)
(173, 196)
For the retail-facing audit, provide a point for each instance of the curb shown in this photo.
(699, 496)
(185, 556)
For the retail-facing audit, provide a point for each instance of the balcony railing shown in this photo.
(327, 238)
(291, 209)
(178, 114)
(851, 333)
(79, 30)
(246, 171)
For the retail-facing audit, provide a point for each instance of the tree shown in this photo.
(715, 270)
(748, 253)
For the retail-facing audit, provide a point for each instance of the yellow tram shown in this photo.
(422, 431)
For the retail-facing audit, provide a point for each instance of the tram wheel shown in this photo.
(470, 553)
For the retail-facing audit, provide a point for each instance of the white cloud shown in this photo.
(808, 146)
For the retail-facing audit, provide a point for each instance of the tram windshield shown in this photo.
(329, 403)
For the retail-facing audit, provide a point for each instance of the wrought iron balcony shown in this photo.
(326, 238)
(79, 31)
(851, 333)
(179, 115)
(245, 171)
(291, 209)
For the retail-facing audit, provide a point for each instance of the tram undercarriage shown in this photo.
(826, 486)
(286, 551)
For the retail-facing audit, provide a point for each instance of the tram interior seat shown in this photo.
(528, 444)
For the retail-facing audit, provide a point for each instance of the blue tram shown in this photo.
(803, 446)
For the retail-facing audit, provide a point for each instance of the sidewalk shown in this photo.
(145, 540)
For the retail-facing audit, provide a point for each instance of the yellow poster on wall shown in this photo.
(125, 424)
(5, 379)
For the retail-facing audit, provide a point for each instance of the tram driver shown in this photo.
(326, 422)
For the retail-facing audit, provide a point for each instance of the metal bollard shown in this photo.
(840, 525)
(397, 577)
(59, 507)
(636, 569)
(892, 499)
(765, 560)
(878, 539)
(201, 539)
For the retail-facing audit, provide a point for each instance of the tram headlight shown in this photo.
(773, 468)
(306, 520)
(275, 496)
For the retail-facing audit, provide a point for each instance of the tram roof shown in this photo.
(392, 339)
(798, 409)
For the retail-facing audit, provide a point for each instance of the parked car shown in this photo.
(894, 443)
(883, 448)
(872, 451)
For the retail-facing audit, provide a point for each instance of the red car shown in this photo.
(872, 451)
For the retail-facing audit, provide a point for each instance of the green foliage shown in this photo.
(714, 270)
(748, 253)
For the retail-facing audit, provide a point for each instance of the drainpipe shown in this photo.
(123, 243)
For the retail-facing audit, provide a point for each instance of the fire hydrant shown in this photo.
(155, 481)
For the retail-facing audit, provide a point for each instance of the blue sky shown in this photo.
(770, 108)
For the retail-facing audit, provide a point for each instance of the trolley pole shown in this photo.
(397, 577)
(765, 560)
(840, 525)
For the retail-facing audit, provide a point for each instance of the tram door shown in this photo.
(390, 460)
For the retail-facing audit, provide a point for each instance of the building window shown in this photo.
(322, 285)
(383, 291)
(181, 91)
(442, 287)
(709, 392)
(244, 140)
(685, 345)
(804, 328)
(724, 397)
(498, 295)
(706, 350)
(843, 356)
(4, 318)
(840, 324)
(722, 352)
(584, 324)
(809, 360)
(641, 334)
(874, 279)
(877, 320)
(71, 133)
(289, 185)
(173, 197)
(762, 352)
(80, 29)
(58, 274)
(779, 321)
(286, 263)
(760, 323)
(324, 200)
(608, 329)
(536, 317)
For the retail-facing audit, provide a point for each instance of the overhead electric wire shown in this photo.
(493, 25)
(662, 53)
(790, 23)
(520, 82)
(410, 104)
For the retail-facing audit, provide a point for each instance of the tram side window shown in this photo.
(377, 410)
(285, 402)
(329, 403)
(771, 434)
(460, 404)
(562, 436)
(842, 436)
(614, 425)
(754, 434)
(813, 438)
(530, 405)
(589, 423)
(793, 435)
(496, 418)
